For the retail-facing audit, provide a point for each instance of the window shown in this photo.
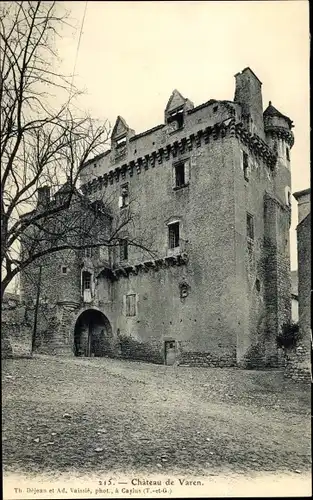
(287, 154)
(86, 280)
(245, 165)
(131, 305)
(121, 142)
(173, 235)
(123, 249)
(288, 196)
(176, 118)
(63, 270)
(124, 198)
(250, 227)
(88, 252)
(179, 175)
(215, 109)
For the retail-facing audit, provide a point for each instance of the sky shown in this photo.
(133, 54)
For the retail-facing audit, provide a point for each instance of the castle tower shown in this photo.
(277, 212)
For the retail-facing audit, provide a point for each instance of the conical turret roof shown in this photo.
(272, 111)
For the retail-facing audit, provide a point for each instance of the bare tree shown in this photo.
(42, 144)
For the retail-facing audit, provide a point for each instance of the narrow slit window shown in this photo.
(124, 197)
(123, 250)
(173, 235)
(245, 165)
(287, 154)
(86, 280)
(250, 226)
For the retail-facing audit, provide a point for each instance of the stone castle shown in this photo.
(209, 190)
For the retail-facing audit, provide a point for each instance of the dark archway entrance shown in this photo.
(92, 334)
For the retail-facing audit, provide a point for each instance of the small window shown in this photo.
(63, 269)
(131, 305)
(257, 285)
(215, 109)
(250, 227)
(88, 252)
(173, 235)
(245, 165)
(176, 118)
(124, 198)
(123, 249)
(121, 142)
(287, 154)
(179, 174)
(86, 280)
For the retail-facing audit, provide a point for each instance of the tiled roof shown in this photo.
(272, 111)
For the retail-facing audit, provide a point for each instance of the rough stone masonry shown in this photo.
(209, 193)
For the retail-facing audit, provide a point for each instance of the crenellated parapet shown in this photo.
(193, 141)
(118, 272)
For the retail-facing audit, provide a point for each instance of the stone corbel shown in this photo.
(198, 138)
(160, 155)
(138, 166)
(189, 142)
(105, 179)
(152, 158)
(123, 171)
(117, 172)
(111, 176)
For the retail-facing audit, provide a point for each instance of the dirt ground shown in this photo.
(101, 415)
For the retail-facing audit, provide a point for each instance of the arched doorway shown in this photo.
(92, 334)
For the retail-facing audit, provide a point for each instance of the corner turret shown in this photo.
(278, 133)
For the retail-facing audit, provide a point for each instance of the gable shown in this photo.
(120, 127)
(175, 101)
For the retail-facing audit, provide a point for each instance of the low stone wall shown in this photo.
(203, 359)
(129, 348)
(298, 364)
(15, 340)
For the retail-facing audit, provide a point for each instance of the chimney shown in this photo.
(43, 194)
(248, 93)
(304, 203)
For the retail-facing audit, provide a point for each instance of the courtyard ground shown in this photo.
(66, 415)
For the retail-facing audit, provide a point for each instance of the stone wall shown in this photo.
(299, 365)
(16, 332)
(237, 288)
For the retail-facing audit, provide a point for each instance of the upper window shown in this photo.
(124, 197)
(63, 269)
(176, 119)
(287, 154)
(86, 280)
(119, 143)
(250, 226)
(123, 250)
(131, 305)
(173, 235)
(180, 174)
